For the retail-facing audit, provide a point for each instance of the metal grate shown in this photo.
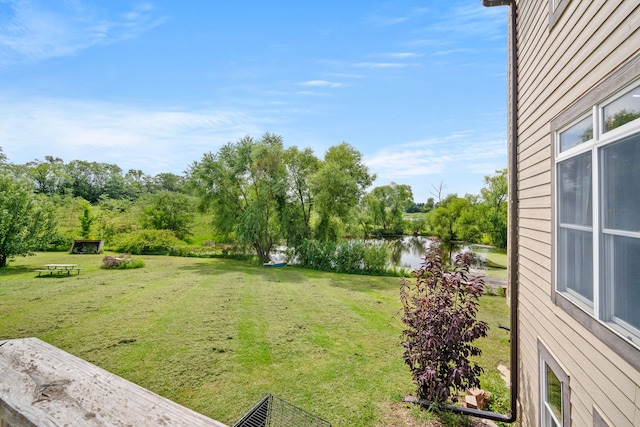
(272, 411)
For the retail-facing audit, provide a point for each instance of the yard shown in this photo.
(216, 335)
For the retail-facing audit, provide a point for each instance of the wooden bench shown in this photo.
(41, 385)
(44, 271)
(59, 272)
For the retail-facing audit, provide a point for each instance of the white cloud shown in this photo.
(383, 18)
(320, 83)
(383, 65)
(456, 51)
(36, 30)
(477, 153)
(473, 21)
(154, 140)
(402, 55)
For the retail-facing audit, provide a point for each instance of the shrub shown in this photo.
(152, 242)
(349, 257)
(353, 257)
(122, 262)
(376, 258)
(439, 313)
(315, 254)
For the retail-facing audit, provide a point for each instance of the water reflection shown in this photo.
(408, 251)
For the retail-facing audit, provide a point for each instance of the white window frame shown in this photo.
(548, 417)
(600, 139)
(556, 8)
(547, 360)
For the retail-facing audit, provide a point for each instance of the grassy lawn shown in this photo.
(496, 260)
(217, 335)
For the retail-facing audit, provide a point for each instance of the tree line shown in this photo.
(255, 191)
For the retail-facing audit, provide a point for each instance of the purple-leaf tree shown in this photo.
(439, 313)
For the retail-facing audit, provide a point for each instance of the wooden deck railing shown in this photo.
(41, 385)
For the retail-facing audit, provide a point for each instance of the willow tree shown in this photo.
(244, 184)
(301, 166)
(338, 186)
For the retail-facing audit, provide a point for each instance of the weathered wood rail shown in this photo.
(41, 385)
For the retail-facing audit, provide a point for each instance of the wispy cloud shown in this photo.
(385, 18)
(154, 140)
(401, 55)
(36, 30)
(374, 65)
(471, 21)
(476, 153)
(456, 51)
(321, 83)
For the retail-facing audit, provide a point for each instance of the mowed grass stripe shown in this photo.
(217, 335)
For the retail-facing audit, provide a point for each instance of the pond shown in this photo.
(408, 252)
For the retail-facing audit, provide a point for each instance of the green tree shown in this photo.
(388, 204)
(430, 205)
(301, 166)
(166, 210)
(469, 225)
(494, 198)
(26, 219)
(338, 187)
(443, 218)
(49, 176)
(168, 182)
(86, 220)
(91, 180)
(136, 182)
(245, 186)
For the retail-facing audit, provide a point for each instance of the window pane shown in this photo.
(575, 262)
(621, 185)
(622, 278)
(621, 111)
(574, 192)
(554, 392)
(577, 134)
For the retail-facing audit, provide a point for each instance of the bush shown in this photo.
(121, 263)
(315, 254)
(439, 313)
(376, 258)
(349, 257)
(152, 242)
(353, 257)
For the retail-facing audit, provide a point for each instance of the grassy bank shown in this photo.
(216, 335)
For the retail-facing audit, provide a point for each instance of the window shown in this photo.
(551, 397)
(597, 212)
(554, 391)
(556, 7)
(555, 4)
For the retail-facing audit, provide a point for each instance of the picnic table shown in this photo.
(59, 269)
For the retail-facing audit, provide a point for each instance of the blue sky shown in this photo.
(419, 88)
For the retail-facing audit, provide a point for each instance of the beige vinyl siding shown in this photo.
(637, 416)
(556, 67)
(581, 360)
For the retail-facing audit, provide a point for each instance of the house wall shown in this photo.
(556, 67)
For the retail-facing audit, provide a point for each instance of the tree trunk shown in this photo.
(3, 260)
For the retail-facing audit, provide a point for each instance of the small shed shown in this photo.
(87, 246)
(41, 385)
